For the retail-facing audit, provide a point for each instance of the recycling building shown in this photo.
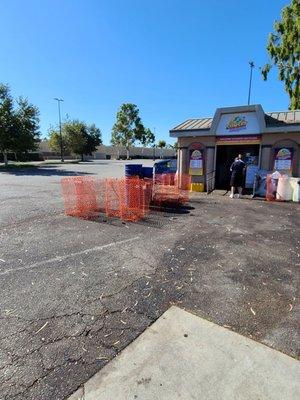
(207, 146)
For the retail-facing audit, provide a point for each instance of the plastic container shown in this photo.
(165, 167)
(272, 183)
(147, 172)
(133, 170)
(295, 183)
(197, 187)
(284, 189)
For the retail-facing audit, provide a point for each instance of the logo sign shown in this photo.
(283, 159)
(196, 155)
(196, 163)
(237, 123)
(284, 154)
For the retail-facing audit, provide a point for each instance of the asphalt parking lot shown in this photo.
(75, 292)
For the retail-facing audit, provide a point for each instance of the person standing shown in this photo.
(237, 176)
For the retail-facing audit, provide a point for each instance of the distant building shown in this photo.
(109, 152)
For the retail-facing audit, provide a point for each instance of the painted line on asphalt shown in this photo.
(61, 258)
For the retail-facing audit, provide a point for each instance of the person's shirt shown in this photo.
(238, 167)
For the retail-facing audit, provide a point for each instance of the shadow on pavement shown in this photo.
(157, 217)
(49, 170)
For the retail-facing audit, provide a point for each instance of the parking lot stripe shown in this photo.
(61, 258)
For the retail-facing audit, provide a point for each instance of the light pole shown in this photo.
(60, 134)
(251, 63)
(154, 144)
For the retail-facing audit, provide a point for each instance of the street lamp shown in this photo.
(60, 134)
(154, 145)
(251, 63)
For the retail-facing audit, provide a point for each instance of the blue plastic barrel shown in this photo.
(147, 172)
(133, 170)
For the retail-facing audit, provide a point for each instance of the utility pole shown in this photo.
(154, 145)
(251, 63)
(60, 134)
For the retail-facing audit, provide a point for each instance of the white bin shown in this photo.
(284, 189)
(295, 183)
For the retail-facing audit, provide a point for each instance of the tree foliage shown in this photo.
(161, 144)
(174, 146)
(27, 126)
(19, 127)
(94, 139)
(128, 127)
(55, 140)
(77, 137)
(284, 50)
(148, 138)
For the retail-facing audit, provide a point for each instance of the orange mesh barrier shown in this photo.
(132, 199)
(168, 188)
(113, 198)
(128, 199)
(146, 195)
(184, 184)
(80, 195)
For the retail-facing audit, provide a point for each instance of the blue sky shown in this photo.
(175, 59)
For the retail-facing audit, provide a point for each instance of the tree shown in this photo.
(94, 139)
(116, 140)
(128, 127)
(6, 121)
(27, 126)
(54, 140)
(77, 137)
(173, 146)
(18, 126)
(161, 144)
(284, 50)
(147, 138)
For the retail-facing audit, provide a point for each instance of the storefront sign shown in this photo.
(196, 163)
(238, 124)
(227, 140)
(283, 159)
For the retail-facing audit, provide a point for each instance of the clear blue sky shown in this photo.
(175, 59)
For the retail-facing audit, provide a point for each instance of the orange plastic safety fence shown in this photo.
(113, 197)
(146, 195)
(83, 196)
(128, 199)
(184, 184)
(132, 199)
(171, 189)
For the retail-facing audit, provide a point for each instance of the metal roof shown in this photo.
(194, 124)
(281, 118)
(273, 119)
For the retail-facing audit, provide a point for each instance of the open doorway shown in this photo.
(225, 157)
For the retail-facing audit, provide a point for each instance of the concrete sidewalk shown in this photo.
(182, 356)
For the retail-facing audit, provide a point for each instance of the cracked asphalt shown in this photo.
(76, 292)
